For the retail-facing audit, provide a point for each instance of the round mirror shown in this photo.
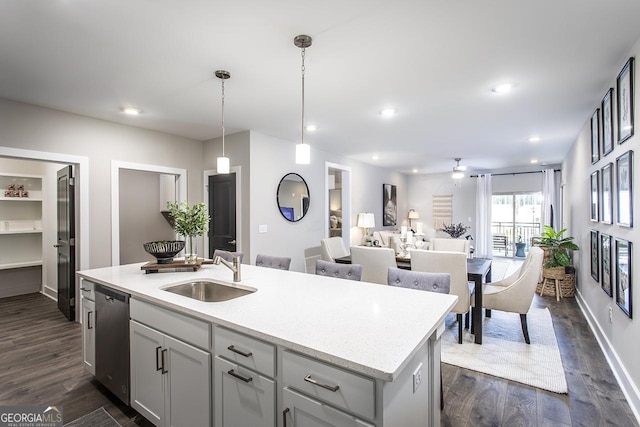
(293, 197)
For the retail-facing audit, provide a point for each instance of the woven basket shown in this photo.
(566, 279)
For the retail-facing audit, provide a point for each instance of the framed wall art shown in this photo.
(625, 101)
(389, 205)
(606, 194)
(624, 189)
(595, 187)
(605, 263)
(623, 276)
(595, 260)
(595, 136)
(607, 123)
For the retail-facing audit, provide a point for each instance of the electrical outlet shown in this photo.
(610, 315)
(417, 377)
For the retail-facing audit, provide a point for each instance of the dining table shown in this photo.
(478, 272)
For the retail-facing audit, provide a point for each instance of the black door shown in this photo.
(222, 209)
(66, 244)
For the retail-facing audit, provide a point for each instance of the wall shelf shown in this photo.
(20, 264)
(19, 231)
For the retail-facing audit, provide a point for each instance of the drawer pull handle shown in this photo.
(240, 377)
(164, 368)
(333, 388)
(240, 352)
(284, 417)
(89, 326)
(83, 289)
(158, 367)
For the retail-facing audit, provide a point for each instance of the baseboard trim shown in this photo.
(627, 385)
(50, 292)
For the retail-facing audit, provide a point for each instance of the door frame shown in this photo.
(116, 165)
(346, 201)
(81, 165)
(205, 196)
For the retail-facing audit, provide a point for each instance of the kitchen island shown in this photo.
(344, 352)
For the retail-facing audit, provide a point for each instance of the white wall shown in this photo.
(619, 338)
(30, 127)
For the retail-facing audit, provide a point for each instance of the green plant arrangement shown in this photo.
(189, 221)
(454, 230)
(558, 245)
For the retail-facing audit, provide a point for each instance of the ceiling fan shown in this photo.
(458, 171)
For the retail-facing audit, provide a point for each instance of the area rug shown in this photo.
(98, 418)
(504, 353)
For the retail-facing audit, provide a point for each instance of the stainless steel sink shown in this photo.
(209, 291)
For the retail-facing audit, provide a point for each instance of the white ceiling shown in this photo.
(434, 61)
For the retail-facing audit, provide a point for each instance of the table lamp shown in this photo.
(366, 221)
(413, 214)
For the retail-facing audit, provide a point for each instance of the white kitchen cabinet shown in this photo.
(170, 379)
(302, 411)
(20, 235)
(87, 293)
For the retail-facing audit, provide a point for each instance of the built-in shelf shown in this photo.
(20, 199)
(20, 264)
(20, 231)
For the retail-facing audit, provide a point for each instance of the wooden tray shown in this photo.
(177, 265)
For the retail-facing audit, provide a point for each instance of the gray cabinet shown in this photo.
(302, 411)
(170, 379)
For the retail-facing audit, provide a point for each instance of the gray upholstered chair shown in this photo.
(226, 255)
(515, 293)
(340, 271)
(332, 248)
(277, 262)
(432, 282)
(374, 262)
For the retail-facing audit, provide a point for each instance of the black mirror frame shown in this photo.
(305, 208)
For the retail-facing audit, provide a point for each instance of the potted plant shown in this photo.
(557, 264)
(454, 230)
(189, 221)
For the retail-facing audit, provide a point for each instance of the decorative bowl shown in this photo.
(164, 250)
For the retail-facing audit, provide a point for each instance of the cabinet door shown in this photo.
(88, 335)
(302, 411)
(188, 385)
(147, 380)
(246, 399)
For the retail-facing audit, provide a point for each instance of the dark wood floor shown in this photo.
(41, 363)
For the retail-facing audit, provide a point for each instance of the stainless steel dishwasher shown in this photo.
(112, 341)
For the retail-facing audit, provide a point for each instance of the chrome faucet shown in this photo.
(235, 267)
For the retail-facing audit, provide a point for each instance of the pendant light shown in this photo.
(223, 162)
(303, 151)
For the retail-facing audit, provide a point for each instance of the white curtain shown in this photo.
(551, 211)
(484, 242)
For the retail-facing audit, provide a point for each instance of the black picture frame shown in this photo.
(605, 263)
(606, 194)
(595, 136)
(624, 189)
(623, 276)
(607, 122)
(595, 259)
(624, 89)
(595, 192)
(389, 205)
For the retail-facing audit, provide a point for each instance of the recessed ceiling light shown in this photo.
(415, 171)
(375, 157)
(131, 111)
(311, 128)
(533, 161)
(503, 87)
(534, 139)
(388, 112)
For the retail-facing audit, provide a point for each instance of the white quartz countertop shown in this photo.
(368, 328)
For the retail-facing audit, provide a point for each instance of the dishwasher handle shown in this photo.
(112, 294)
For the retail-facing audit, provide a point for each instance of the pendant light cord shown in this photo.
(302, 130)
(223, 117)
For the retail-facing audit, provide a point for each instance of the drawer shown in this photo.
(87, 289)
(188, 329)
(246, 351)
(329, 383)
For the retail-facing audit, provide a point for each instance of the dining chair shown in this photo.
(227, 255)
(340, 271)
(279, 263)
(431, 282)
(514, 294)
(449, 245)
(374, 261)
(454, 263)
(332, 248)
(311, 255)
